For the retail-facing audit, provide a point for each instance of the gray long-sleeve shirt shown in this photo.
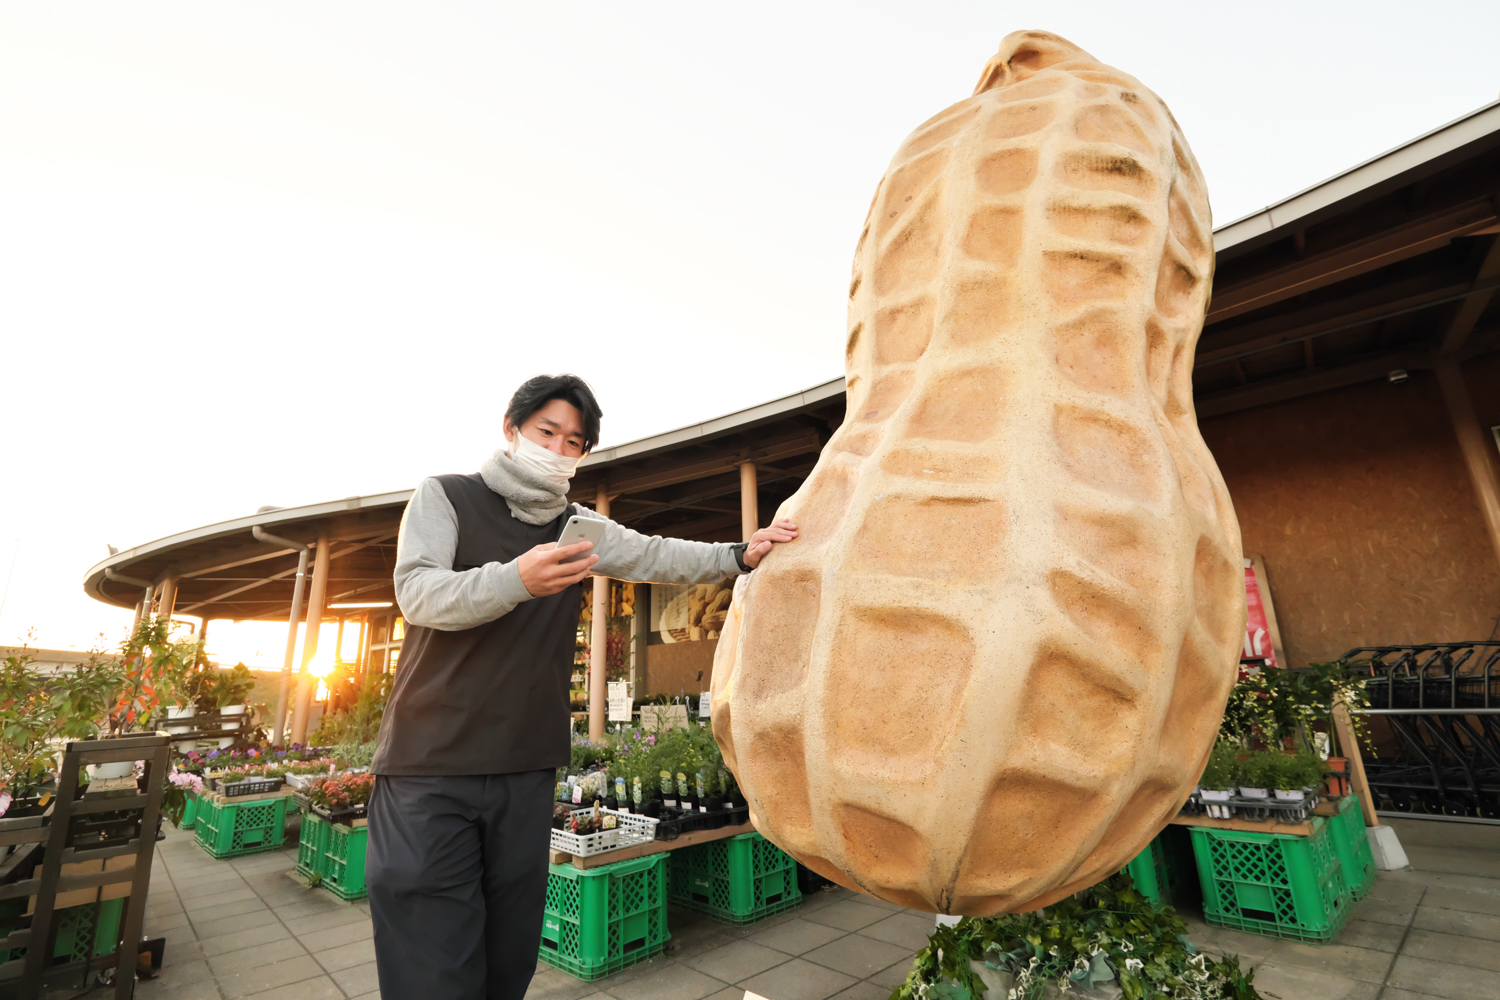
(432, 594)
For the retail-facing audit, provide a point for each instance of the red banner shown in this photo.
(1257, 629)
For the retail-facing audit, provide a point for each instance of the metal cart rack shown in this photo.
(1442, 702)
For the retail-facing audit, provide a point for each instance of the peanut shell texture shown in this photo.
(992, 667)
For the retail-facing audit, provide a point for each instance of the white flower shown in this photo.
(1126, 946)
(1134, 964)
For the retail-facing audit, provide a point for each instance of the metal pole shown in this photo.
(315, 609)
(598, 639)
(279, 731)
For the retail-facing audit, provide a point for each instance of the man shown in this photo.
(475, 728)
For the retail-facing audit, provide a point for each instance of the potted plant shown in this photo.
(1220, 778)
(668, 789)
(342, 796)
(1255, 772)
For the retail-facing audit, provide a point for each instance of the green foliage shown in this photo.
(1277, 705)
(352, 754)
(1108, 931)
(1223, 769)
(360, 722)
(28, 721)
(636, 754)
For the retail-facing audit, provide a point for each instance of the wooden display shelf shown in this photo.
(220, 799)
(1325, 808)
(651, 847)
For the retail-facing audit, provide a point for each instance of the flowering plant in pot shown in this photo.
(342, 792)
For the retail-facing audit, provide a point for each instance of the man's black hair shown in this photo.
(537, 392)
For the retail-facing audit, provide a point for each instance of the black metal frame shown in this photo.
(119, 824)
(1442, 703)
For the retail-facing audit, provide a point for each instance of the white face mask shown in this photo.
(556, 469)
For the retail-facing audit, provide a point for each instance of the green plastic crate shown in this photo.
(344, 860)
(237, 828)
(738, 880)
(310, 844)
(599, 920)
(1281, 885)
(1352, 845)
(1148, 870)
(190, 813)
(79, 934)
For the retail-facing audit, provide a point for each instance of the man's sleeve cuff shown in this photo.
(511, 590)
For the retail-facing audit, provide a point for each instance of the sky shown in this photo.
(278, 253)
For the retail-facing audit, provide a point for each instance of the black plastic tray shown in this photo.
(255, 786)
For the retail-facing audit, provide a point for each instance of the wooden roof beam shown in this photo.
(1471, 308)
(1350, 259)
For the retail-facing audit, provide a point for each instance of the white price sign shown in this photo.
(619, 701)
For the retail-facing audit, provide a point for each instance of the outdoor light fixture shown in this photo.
(1397, 376)
(367, 604)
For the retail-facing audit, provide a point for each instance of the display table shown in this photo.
(651, 847)
(1327, 807)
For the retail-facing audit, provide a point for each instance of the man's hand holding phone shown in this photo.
(548, 568)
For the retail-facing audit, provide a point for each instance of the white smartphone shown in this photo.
(581, 529)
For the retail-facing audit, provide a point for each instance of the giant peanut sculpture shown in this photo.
(992, 666)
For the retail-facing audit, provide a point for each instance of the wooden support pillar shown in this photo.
(1347, 743)
(598, 639)
(166, 598)
(305, 683)
(749, 501)
(1476, 448)
(363, 657)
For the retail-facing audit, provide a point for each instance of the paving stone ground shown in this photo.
(246, 930)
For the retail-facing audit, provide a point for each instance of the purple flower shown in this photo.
(213, 755)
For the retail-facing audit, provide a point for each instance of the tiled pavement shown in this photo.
(245, 929)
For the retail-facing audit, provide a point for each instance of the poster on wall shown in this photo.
(689, 612)
(1261, 638)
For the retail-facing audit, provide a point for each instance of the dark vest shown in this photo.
(492, 699)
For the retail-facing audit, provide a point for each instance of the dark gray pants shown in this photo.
(457, 870)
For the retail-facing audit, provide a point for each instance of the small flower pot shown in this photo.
(1285, 795)
(1217, 794)
(1254, 793)
(652, 808)
(1338, 782)
(228, 741)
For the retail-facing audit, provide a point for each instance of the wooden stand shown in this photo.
(53, 833)
(1350, 745)
(1324, 808)
(650, 847)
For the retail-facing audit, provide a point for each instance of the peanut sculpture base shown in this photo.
(992, 666)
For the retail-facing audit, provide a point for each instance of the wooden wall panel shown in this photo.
(675, 668)
(1360, 503)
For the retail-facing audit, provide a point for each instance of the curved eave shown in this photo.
(274, 521)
